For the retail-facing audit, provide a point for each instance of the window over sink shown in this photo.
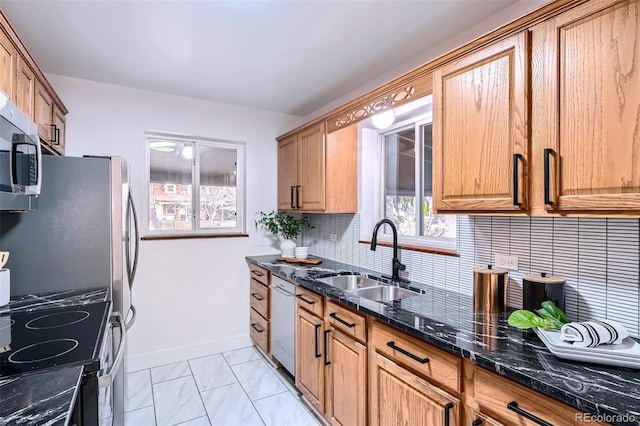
(178, 164)
(396, 180)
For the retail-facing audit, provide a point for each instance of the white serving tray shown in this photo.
(628, 355)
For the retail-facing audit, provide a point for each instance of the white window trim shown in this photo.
(240, 146)
(372, 193)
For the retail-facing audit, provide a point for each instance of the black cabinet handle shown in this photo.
(259, 330)
(547, 177)
(293, 206)
(57, 142)
(476, 422)
(54, 134)
(317, 327)
(297, 196)
(513, 406)
(337, 318)
(447, 413)
(255, 296)
(516, 191)
(258, 273)
(310, 302)
(326, 346)
(393, 346)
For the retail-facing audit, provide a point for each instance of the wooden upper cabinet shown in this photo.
(43, 113)
(318, 172)
(480, 129)
(287, 172)
(8, 64)
(25, 88)
(586, 88)
(311, 169)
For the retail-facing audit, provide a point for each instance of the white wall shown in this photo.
(191, 295)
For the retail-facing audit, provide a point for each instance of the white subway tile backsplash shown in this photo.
(598, 257)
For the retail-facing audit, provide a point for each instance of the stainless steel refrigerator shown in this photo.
(84, 235)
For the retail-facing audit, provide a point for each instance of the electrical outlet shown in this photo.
(506, 261)
(333, 237)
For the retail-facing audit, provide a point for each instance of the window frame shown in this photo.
(419, 242)
(197, 141)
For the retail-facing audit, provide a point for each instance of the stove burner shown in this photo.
(43, 351)
(7, 324)
(59, 319)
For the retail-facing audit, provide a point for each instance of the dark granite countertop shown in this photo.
(446, 319)
(46, 397)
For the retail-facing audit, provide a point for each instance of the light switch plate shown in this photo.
(505, 261)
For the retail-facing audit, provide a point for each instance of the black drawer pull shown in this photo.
(393, 346)
(337, 318)
(447, 413)
(310, 302)
(259, 330)
(317, 327)
(255, 296)
(516, 190)
(476, 422)
(547, 177)
(513, 406)
(326, 348)
(258, 273)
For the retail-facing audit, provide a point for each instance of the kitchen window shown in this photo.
(397, 181)
(178, 164)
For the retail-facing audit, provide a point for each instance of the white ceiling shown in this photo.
(284, 56)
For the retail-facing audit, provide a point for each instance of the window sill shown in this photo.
(191, 236)
(411, 247)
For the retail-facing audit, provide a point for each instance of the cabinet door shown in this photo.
(309, 357)
(8, 57)
(60, 128)
(586, 90)
(346, 380)
(311, 168)
(25, 88)
(287, 173)
(399, 397)
(43, 111)
(480, 130)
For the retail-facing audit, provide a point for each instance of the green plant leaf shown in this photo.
(555, 312)
(545, 314)
(526, 319)
(282, 223)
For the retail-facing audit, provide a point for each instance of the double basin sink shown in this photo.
(369, 288)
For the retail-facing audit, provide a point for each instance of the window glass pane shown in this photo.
(433, 225)
(170, 185)
(400, 184)
(218, 200)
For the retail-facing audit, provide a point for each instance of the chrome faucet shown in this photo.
(396, 265)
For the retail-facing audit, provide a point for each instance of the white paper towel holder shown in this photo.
(5, 286)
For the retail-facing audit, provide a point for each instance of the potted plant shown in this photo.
(286, 225)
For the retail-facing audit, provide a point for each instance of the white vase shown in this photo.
(288, 248)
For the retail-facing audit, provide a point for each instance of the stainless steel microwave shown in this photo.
(20, 159)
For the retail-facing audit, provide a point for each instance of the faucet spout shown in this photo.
(396, 265)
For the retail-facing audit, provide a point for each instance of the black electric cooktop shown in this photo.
(51, 338)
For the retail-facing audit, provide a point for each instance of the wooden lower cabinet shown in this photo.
(399, 397)
(346, 390)
(310, 349)
(260, 308)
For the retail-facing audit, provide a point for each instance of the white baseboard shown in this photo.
(183, 353)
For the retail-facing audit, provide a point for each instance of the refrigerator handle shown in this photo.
(131, 269)
(106, 375)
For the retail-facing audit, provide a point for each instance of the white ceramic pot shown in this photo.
(5, 286)
(288, 248)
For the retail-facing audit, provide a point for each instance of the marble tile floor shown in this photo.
(236, 388)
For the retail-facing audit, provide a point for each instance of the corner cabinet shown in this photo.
(480, 154)
(586, 98)
(317, 172)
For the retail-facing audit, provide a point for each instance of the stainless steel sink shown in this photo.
(384, 293)
(349, 282)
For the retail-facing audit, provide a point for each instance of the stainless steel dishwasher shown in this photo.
(283, 334)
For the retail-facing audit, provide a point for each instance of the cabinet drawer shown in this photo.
(259, 297)
(496, 394)
(348, 322)
(259, 330)
(260, 274)
(423, 358)
(310, 301)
